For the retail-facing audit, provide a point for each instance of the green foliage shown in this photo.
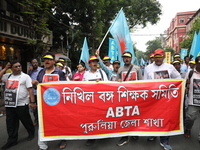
(187, 42)
(152, 45)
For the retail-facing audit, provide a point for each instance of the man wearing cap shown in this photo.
(112, 74)
(192, 88)
(65, 69)
(160, 70)
(177, 65)
(177, 57)
(151, 58)
(192, 65)
(106, 61)
(49, 73)
(94, 74)
(128, 72)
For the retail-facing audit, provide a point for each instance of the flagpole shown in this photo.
(107, 32)
(103, 39)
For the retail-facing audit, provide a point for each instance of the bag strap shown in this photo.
(101, 74)
(129, 70)
(188, 80)
(9, 76)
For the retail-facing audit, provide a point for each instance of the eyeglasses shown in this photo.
(17, 66)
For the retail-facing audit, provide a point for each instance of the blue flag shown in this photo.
(142, 62)
(136, 62)
(183, 53)
(193, 46)
(85, 56)
(112, 51)
(197, 48)
(120, 32)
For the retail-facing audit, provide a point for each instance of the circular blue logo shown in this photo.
(51, 96)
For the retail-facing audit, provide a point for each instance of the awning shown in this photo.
(57, 56)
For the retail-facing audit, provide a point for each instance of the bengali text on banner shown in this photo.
(91, 110)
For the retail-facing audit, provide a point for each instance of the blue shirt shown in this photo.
(33, 75)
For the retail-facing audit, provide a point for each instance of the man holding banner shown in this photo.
(48, 74)
(160, 70)
(128, 72)
(94, 74)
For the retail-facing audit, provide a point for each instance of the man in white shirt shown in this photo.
(160, 70)
(18, 96)
(94, 74)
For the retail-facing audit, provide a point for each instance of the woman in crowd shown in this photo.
(78, 76)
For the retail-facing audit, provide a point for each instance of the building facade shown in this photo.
(14, 34)
(177, 30)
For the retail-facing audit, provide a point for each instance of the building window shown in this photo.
(182, 20)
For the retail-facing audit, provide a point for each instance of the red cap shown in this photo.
(106, 58)
(93, 58)
(158, 52)
(151, 55)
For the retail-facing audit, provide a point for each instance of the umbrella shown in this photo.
(57, 56)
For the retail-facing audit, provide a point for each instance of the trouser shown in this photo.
(35, 111)
(164, 139)
(13, 115)
(192, 114)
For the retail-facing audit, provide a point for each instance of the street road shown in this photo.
(178, 142)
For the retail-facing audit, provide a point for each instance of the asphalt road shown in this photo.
(178, 142)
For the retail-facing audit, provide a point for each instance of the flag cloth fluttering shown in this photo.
(120, 32)
(85, 53)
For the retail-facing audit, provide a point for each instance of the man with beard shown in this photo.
(94, 74)
(160, 70)
(128, 72)
(33, 71)
(18, 95)
(112, 74)
(48, 74)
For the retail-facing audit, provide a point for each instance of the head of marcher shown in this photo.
(16, 67)
(59, 65)
(127, 58)
(192, 64)
(177, 65)
(187, 59)
(197, 61)
(158, 56)
(106, 60)
(177, 57)
(34, 63)
(61, 60)
(116, 65)
(151, 58)
(93, 63)
(49, 60)
(81, 67)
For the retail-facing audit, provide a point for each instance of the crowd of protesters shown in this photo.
(100, 70)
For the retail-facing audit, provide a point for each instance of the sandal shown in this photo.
(63, 144)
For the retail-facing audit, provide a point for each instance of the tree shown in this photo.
(152, 45)
(36, 14)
